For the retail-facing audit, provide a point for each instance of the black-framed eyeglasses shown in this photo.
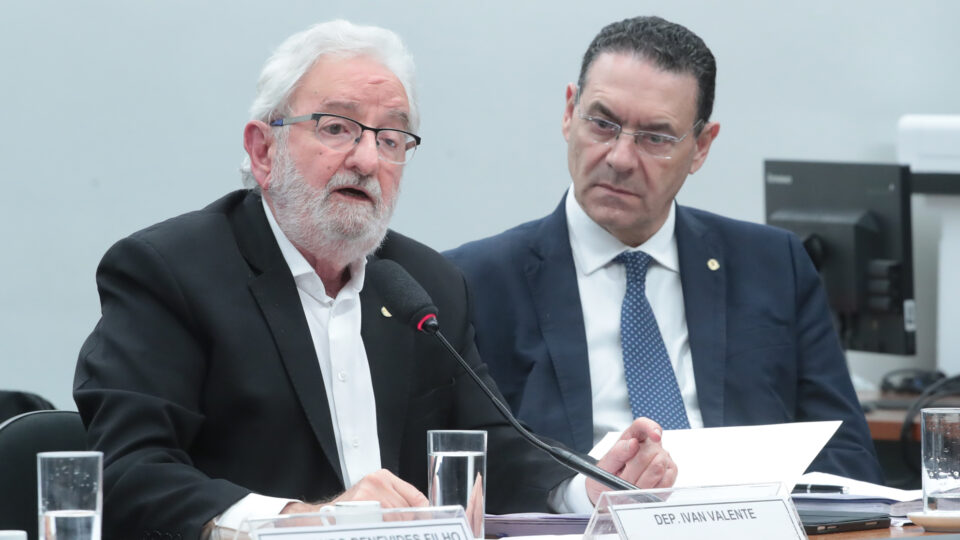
(342, 133)
(650, 143)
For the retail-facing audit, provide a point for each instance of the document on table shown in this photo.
(859, 497)
(704, 457)
(740, 454)
(535, 524)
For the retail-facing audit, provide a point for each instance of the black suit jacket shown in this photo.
(763, 345)
(200, 383)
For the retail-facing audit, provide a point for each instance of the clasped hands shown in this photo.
(637, 457)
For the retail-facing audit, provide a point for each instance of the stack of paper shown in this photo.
(859, 497)
(535, 524)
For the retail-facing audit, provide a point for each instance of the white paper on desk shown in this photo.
(740, 454)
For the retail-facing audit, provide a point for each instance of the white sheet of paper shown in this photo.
(740, 454)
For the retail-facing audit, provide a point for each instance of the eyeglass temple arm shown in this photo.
(292, 120)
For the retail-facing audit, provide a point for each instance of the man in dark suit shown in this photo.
(730, 325)
(243, 368)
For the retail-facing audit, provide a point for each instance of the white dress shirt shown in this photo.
(603, 283)
(335, 328)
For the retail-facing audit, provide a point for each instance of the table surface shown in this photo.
(892, 532)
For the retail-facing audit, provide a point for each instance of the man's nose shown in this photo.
(622, 156)
(363, 157)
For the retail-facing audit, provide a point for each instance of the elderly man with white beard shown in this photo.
(242, 366)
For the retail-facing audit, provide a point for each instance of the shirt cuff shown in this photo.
(570, 497)
(250, 507)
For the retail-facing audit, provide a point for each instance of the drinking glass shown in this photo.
(457, 468)
(69, 495)
(940, 447)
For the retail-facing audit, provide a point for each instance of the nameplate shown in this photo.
(750, 518)
(424, 529)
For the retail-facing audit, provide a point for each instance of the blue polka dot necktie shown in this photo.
(651, 382)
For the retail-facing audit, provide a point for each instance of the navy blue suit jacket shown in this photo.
(763, 345)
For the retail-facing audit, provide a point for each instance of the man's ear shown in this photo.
(258, 141)
(568, 110)
(704, 140)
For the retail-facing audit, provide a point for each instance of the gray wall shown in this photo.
(118, 114)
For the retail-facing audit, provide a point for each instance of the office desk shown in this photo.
(885, 424)
(892, 532)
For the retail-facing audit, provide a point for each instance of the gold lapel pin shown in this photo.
(386, 313)
(713, 265)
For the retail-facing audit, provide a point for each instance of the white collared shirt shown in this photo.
(602, 284)
(335, 329)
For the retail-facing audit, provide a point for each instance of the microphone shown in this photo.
(410, 303)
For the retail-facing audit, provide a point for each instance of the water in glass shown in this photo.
(70, 525)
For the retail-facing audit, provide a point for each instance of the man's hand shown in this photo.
(381, 486)
(637, 458)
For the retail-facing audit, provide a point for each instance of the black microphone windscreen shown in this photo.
(404, 297)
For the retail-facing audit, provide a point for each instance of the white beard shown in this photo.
(319, 222)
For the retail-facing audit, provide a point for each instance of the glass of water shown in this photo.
(457, 469)
(940, 448)
(69, 495)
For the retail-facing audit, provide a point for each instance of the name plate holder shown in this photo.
(717, 512)
(345, 523)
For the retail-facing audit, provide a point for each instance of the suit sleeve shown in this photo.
(138, 384)
(824, 387)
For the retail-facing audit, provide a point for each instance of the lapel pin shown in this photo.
(713, 265)
(385, 312)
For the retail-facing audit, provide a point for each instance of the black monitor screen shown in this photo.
(854, 221)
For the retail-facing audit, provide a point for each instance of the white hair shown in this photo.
(298, 53)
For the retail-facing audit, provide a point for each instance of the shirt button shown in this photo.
(342, 375)
(356, 442)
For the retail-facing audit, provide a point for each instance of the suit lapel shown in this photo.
(276, 293)
(389, 347)
(704, 300)
(552, 279)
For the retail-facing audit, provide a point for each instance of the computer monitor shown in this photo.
(854, 221)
